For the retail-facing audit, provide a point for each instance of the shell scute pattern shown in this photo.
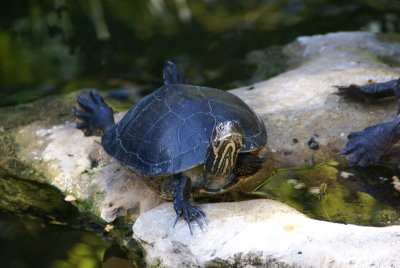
(168, 131)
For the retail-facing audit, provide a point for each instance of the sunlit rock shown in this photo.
(79, 167)
(298, 104)
(262, 233)
(70, 198)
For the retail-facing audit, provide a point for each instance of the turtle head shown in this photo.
(226, 137)
(225, 143)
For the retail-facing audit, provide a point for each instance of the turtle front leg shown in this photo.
(183, 203)
(93, 114)
(366, 146)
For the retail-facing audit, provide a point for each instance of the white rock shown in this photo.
(263, 233)
(66, 158)
(299, 103)
(70, 198)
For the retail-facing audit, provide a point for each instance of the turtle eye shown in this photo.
(220, 127)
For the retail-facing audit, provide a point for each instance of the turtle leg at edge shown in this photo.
(183, 203)
(172, 74)
(93, 114)
(371, 92)
(366, 146)
(247, 164)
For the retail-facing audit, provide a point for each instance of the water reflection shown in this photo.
(53, 46)
(363, 196)
(28, 242)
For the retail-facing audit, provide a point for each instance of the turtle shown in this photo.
(365, 147)
(187, 140)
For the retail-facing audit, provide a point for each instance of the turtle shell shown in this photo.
(168, 131)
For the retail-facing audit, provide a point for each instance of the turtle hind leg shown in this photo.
(183, 203)
(247, 164)
(371, 92)
(93, 115)
(172, 74)
(365, 147)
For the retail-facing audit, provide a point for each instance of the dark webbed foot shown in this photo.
(371, 92)
(172, 74)
(93, 114)
(247, 164)
(367, 146)
(183, 204)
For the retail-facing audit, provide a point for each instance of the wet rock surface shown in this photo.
(39, 142)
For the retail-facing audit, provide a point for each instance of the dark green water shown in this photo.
(29, 242)
(330, 192)
(54, 46)
(51, 47)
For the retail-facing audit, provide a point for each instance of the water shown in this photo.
(54, 46)
(328, 191)
(26, 242)
(39, 229)
(32, 242)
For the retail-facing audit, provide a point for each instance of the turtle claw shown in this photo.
(365, 147)
(97, 98)
(80, 114)
(370, 92)
(82, 125)
(190, 213)
(197, 214)
(360, 149)
(86, 103)
(92, 113)
(352, 92)
(178, 215)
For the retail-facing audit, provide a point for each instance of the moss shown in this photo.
(32, 189)
(48, 109)
(10, 164)
(390, 38)
(33, 198)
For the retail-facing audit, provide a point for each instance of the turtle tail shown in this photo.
(172, 74)
(93, 115)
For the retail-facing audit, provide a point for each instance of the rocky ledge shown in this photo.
(263, 233)
(38, 142)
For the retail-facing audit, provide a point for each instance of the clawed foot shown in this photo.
(189, 212)
(93, 113)
(365, 147)
(353, 92)
(371, 92)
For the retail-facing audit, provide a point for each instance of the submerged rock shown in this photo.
(39, 142)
